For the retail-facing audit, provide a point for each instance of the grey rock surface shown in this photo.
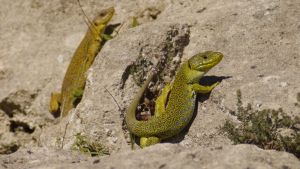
(170, 156)
(260, 41)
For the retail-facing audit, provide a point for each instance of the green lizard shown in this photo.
(74, 80)
(175, 106)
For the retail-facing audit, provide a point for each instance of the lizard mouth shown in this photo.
(210, 64)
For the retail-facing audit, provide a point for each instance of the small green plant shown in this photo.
(134, 22)
(262, 128)
(92, 148)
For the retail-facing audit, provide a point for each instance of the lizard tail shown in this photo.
(130, 117)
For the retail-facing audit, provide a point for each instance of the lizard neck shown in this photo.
(186, 75)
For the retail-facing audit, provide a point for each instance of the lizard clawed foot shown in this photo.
(148, 141)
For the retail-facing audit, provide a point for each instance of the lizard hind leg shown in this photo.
(160, 109)
(148, 141)
(55, 103)
(77, 96)
(162, 100)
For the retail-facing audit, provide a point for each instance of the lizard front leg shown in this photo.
(55, 102)
(204, 89)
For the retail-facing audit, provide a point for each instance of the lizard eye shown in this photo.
(102, 14)
(205, 57)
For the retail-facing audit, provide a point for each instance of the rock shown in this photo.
(258, 38)
(17, 123)
(169, 156)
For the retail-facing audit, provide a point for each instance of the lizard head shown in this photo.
(202, 62)
(104, 17)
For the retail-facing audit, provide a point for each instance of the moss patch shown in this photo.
(264, 128)
(83, 145)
